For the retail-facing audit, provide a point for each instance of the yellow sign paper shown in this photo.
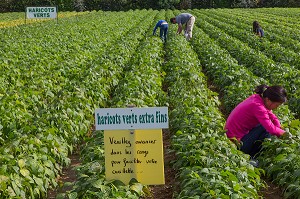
(134, 154)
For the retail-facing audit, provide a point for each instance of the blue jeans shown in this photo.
(251, 143)
(163, 32)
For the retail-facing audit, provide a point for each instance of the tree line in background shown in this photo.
(123, 5)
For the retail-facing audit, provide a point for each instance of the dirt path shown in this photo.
(69, 176)
(165, 191)
(271, 191)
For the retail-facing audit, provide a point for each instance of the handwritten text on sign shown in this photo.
(136, 155)
(131, 118)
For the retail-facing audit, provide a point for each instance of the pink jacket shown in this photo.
(248, 114)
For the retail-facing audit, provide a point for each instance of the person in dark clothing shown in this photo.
(163, 25)
(257, 29)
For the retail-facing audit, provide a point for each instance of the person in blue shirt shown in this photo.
(257, 29)
(163, 25)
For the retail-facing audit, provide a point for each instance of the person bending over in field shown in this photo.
(251, 121)
(257, 29)
(184, 19)
(163, 26)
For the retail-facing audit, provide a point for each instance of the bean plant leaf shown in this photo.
(295, 123)
(25, 172)
(21, 163)
(137, 187)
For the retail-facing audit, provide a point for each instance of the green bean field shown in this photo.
(54, 74)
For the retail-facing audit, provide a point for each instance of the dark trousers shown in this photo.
(251, 143)
(163, 32)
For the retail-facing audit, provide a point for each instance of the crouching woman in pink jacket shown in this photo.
(252, 120)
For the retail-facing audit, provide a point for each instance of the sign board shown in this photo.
(133, 143)
(41, 12)
(134, 154)
(131, 118)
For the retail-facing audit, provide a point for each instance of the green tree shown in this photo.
(244, 3)
(79, 5)
(4, 5)
(186, 4)
(167, 4)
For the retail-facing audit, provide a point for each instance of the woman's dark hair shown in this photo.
(255, 26)
(274, 93)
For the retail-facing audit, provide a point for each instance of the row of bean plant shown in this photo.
(277, 151)
(277, 35)
(272, 49)
(52, 81)
(141, 85)
(260, 65)
(208, 164)
(16, 19)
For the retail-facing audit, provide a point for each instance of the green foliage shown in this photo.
(51, 83)
(167, 4)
